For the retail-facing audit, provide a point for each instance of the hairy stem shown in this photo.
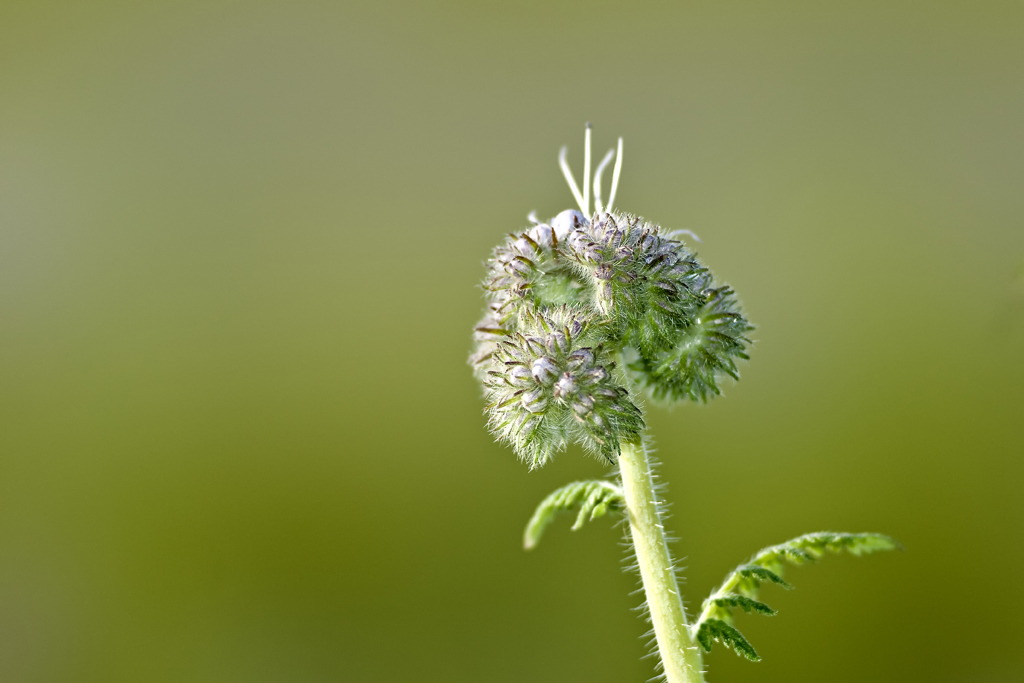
(680, 655)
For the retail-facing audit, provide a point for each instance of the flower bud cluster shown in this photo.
(703, 352)
(524, 275)
(548, 388)
(650, 284)
(565, 298)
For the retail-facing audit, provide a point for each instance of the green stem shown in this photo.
(680, 655)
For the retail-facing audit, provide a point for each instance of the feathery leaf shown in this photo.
(593, 498)
(740, 588)
(718, 630)
(748, 605)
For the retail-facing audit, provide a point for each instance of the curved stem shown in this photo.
(680, 655)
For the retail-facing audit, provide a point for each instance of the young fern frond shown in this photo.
(740, 588)
(593, 498)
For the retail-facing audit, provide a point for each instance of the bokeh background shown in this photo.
(239, 249)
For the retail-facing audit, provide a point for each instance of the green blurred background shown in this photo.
(239, 249)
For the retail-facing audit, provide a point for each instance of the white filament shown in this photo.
(586, 173)
(583, 198)
(615, 177)
(567, 172)
(598, 207)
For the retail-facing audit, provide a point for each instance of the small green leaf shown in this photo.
(593, 498)
(751, 576)
(810, 547)
(717, 630)
(748, 605)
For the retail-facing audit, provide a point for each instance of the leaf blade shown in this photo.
(593, 499)
(740, 588)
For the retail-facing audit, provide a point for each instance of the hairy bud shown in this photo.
(546, 389)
